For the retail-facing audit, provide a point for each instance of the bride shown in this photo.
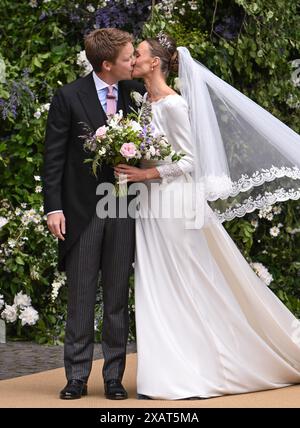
(206, 324)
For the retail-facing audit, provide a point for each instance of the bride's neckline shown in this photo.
(160, 99)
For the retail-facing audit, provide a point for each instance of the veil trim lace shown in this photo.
(245, 158)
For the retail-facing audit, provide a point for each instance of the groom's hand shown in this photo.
(57, 225)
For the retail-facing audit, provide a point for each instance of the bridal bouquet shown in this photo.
(127, 140)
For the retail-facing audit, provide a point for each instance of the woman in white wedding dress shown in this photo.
(206, 324)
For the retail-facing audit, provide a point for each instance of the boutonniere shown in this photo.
(137, 98)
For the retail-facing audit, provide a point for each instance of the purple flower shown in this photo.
(130, 17)
(20, 94)
(229, 27)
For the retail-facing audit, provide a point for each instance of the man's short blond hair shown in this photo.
(105, 44)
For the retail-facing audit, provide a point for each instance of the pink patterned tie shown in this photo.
(111, 102)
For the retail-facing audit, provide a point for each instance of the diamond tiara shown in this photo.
(163, 40)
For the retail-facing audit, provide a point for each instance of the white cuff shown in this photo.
(53, 212)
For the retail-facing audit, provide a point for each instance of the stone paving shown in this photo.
(24, 358)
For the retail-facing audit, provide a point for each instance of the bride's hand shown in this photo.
(133, 173)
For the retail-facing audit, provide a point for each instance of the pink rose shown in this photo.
(128, 150)
(101, 132)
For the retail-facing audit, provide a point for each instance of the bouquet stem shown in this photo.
(121, 187)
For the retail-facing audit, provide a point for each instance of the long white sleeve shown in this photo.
(174, 111)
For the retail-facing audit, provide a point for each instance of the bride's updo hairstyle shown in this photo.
(164, 47)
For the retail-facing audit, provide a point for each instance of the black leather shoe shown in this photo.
(74, 389)
(114, 390)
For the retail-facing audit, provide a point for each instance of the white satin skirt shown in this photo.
(206, 324)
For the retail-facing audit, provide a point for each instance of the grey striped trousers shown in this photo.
(107, 245)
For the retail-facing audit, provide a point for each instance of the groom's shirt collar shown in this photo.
(100, 84)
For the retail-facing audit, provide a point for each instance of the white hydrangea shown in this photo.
(262, 272)
(29, 316)
(84, 63)
(10, 313)
(22, 300)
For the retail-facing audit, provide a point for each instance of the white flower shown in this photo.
(33, 3)
(135, 126)
(152, 150)
(277, 210)
(37, 114)
(137, 97)
(115, 120)
(90, 8)
(102, 151)
(264, 211)
(177, 84)
(11, 243)
(1, 301)
(84, 63)
(59, 281)
(148, 155)
(38, 189)
(2, 71)
(269, 216)
(3, 222)
(29, 316)
(296, 74)
(37, 178)
(10, 313)
(262, 272)
(45, 107)
(274, 231)
(22, 300)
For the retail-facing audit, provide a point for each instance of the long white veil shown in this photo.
(245, 158)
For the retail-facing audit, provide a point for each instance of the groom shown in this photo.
(88, 244)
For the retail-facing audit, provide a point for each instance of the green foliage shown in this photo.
(250, 44)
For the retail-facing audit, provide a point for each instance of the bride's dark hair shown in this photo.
(164, 47)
